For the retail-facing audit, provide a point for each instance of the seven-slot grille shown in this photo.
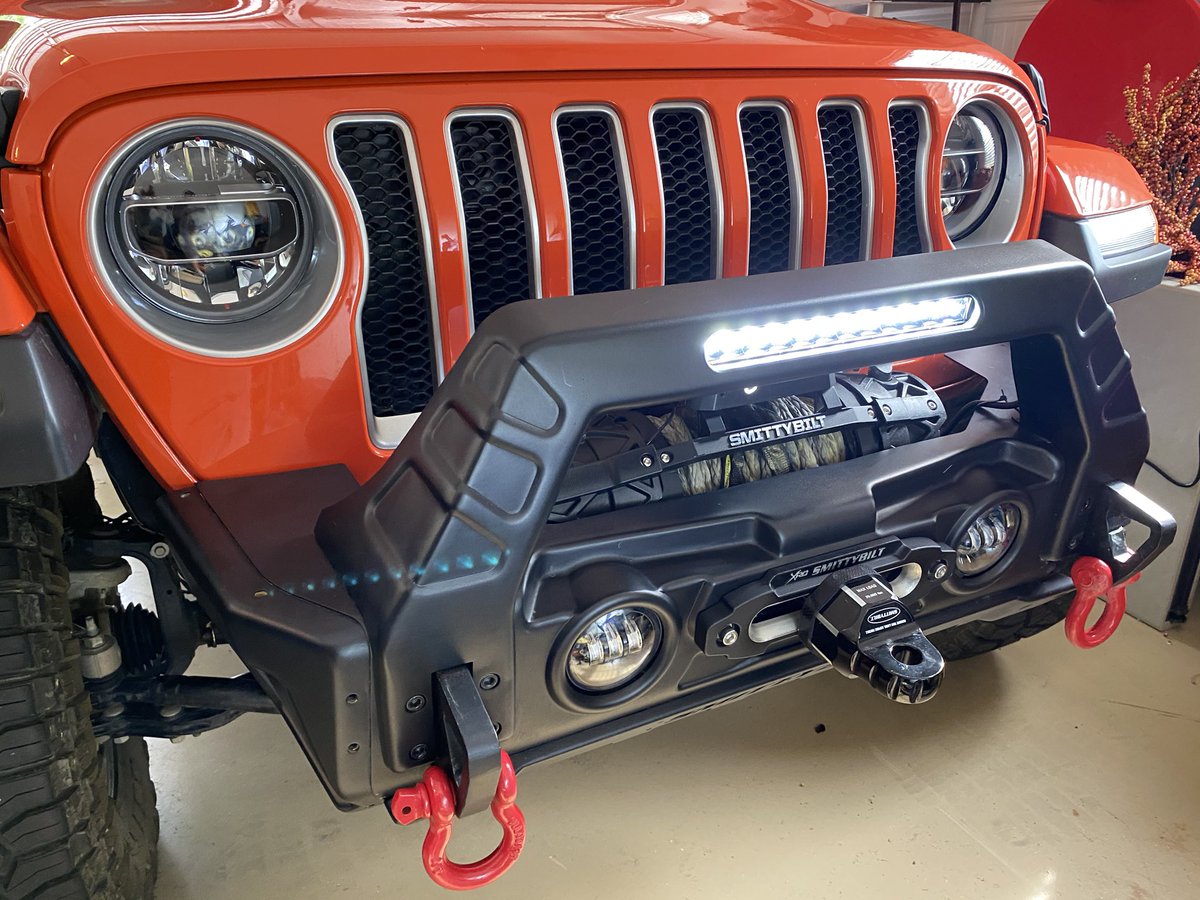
(498, 216)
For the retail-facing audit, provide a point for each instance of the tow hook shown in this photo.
(1117, 565)
(1093, 580)
(433, 798)
(476, 775)
(863, 630)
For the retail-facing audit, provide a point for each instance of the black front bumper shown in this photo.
(346, 601)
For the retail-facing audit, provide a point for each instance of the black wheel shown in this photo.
(77, 820)
(974, 638)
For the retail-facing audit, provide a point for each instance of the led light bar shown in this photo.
(1124, 232)
(757, 344)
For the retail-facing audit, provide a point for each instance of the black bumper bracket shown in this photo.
(471, 749)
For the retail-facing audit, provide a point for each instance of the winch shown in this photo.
(853, 608)
(633, 457)
(864, 631)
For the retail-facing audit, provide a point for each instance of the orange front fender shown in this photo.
(1084, 180)
(17, 306)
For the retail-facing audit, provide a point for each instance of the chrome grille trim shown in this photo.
(386, 432)
(532, 228)
(714, 180)
(921, 187)
(795, 179)
(865, 173)
(620, 150)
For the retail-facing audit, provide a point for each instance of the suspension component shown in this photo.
(99, 655)
(179, 618)
(140, 638)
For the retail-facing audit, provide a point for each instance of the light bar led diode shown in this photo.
(735, 348)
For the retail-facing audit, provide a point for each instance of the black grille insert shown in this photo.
(905, 122)
(689, 201)
(844, 233)
(770, 170)
(397, 322)
(592, 172)
(495, 214)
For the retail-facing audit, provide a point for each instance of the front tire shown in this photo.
(974, 638)
(77, 820)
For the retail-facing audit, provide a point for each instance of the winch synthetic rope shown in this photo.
(755, 464)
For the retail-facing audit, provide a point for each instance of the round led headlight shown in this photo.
(209, 227)
(973, 170)
(987, 539)
(614, 649)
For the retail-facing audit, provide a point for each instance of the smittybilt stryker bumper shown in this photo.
(388, 620)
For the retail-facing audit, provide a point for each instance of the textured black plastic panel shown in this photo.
(495, 216)
(905, 122)
(397, 322)
(596, 200)
(844, 238)
(47, 427)
(689, 204)
(769, 170)
(285, 613)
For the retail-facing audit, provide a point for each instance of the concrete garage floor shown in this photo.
(1039, 772)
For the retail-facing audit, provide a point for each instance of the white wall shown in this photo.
(1001, 23)
(1158, 330)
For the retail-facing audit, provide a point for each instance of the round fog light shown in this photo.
(987, 539)
(614, 649)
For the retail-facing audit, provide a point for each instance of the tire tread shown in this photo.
(61, 834)
(974, 638)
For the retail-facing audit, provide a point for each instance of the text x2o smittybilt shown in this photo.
(819, 370)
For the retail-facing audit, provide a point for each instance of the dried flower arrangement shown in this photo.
(1165, 150)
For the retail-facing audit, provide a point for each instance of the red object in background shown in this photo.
(1089, 51)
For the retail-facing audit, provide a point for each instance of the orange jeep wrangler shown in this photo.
(498, 379)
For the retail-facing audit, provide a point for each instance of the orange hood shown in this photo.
(66, 55)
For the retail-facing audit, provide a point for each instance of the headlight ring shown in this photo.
(982, 176)
(216, 239)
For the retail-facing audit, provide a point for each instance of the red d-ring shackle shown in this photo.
(433, 798)
(1093, 579)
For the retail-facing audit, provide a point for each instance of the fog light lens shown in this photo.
(614, 649)
(988, 538)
